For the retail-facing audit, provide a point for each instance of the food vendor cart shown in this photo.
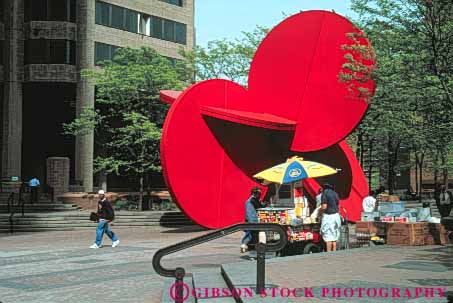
(303, 230)
(303, 238)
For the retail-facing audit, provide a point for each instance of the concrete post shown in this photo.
(12, 100)
(85, 90)
(58, 174)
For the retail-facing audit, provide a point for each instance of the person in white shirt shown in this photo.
(318, 198)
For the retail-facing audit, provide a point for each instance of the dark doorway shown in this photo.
(46, 106)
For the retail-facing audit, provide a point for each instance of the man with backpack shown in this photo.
(105, 214)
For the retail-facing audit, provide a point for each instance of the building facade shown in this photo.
(44, 44)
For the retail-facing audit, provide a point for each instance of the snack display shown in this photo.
(300, 228)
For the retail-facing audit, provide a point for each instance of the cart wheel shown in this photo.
(311, 248)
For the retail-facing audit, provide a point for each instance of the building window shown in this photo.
(104, 52)
(145, 24)
(50, 10)
(136, 22)
(39, 51)
(103, 13)
(168, 30)
(117, 17)
(172, 61)
(1, 11)
(1, 52)
(131, 21)
(174, 2)
(180, 33)
(157, 28)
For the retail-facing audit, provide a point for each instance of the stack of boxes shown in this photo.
(420, 233)
(398, 225)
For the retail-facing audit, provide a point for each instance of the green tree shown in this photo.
(129, 116)
(226, 59)
(412, 106)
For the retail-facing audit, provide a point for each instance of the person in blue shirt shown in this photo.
(34, 187)
(251, 205)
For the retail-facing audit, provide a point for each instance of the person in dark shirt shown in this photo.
(105, 214)
(331, 220)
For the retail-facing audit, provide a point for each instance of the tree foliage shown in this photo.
(412, 108)
(226, 59)
(128, 116)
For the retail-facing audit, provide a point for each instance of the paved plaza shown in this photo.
(59, 267)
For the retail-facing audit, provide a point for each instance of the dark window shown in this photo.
(50, 10)
(102, 13)
(113, 50)
(117, 17)
(1, 53)
(39, 51)
(35, 10)
(126, 19)
(169, 30)
(1, 10)
(180, 33)
(174, 2)
(57, 10)
(104, 51)
(72, 11)
(172, 61)
(156, 27)
(131, 21)
(58, 51)
(36, 51)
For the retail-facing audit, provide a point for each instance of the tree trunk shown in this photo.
(140, 197)
(370, 164)
(420, 171)
(444, 170)
(390, 167)
(361, 149)
(416, 174)
(357, 148)
(436, 169)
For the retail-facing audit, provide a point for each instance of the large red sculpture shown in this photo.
(218, 134)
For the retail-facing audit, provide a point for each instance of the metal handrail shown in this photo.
(10, 202)
(261, 248)
(12, 207)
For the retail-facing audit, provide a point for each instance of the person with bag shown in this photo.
(105, 215)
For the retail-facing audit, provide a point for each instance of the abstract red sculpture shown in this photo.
(218, 134)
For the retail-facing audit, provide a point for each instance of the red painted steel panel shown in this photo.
(217, 134)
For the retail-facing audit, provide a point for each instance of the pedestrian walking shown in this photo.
(34, 189)
(444, 201)
(106, 214)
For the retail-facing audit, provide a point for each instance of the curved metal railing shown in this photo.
(179, 272)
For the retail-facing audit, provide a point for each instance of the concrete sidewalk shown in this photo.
(338, 276)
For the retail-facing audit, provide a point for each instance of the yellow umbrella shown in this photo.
(295, 169)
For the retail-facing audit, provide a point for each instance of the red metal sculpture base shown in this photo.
(218, 134)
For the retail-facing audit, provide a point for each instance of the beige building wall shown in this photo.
(157, 8)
